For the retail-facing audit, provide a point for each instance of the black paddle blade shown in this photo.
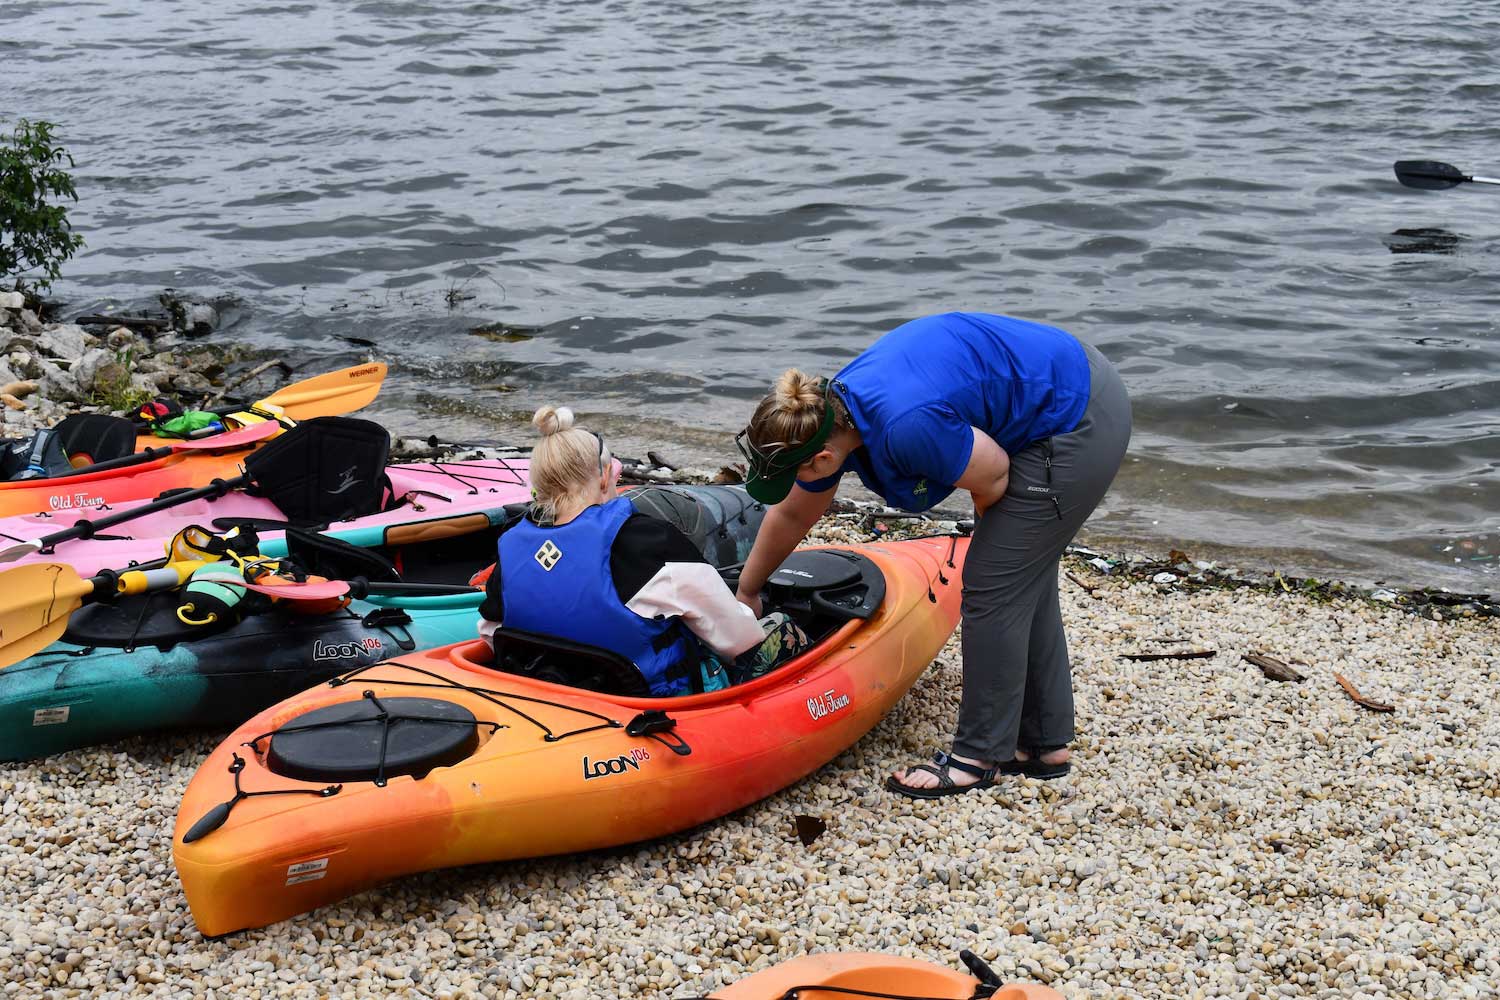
(1428, 175)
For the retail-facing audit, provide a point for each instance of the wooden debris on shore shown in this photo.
(1359, 699)
(1185, 654)
(1273, 668)
(253, 373)
(139, 324)
(1081, 585)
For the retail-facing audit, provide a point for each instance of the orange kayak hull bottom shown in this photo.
(886, 975)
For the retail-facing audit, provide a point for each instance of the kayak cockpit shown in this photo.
(822, 590)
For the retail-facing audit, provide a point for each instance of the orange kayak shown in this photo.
(181, 465)
(856, 974)
(439, 758)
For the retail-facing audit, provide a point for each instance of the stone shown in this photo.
(202, 319)
(12, 300)
(67, 341)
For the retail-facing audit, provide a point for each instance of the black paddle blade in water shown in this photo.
(1429, 175)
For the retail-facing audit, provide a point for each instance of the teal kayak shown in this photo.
(131, 666)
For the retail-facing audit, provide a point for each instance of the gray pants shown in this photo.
(1018, 685)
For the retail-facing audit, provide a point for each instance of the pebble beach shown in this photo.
(1222, 835)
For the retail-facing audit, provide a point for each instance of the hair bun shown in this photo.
(552, 419)
(798, 389)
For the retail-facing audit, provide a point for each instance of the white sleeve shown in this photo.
(487, 630)
(697, 594)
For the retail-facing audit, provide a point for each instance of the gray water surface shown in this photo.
(672, 202)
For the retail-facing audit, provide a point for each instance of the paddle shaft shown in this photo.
(359, 588)
(89, 527)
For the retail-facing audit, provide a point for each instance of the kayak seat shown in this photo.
(574, 664)
(333, 469)
(89, 438)
(336, 559)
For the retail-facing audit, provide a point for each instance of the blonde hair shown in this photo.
(792, 412)
(565, 463)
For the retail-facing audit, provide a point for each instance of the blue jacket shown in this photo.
(557, 582)
(914, 394)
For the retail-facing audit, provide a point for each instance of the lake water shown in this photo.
(659, 206)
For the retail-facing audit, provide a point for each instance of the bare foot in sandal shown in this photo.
(1046, 764)
(948, 774)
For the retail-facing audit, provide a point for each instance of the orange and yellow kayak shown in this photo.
(181, 465)
(185, 464)
(857, 974)
(445, 758)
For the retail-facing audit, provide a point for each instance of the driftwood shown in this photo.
(142, 324)
(1273, 668)
(1186, 654)
(1359, 699)
(1082, 586)
(659, 462)
(252, 373)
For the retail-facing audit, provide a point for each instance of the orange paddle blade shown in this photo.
(331, 394)
(35, 602)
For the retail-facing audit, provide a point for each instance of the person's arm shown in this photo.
(987, 475)
(659, 573)
(492, 608)
(786, 524)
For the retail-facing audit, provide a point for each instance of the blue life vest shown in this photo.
(556, 581)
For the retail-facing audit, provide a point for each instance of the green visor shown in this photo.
(771, 473)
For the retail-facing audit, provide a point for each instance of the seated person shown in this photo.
(585, 566)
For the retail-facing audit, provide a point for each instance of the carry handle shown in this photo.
(655, 723)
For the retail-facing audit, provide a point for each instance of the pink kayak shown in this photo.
(421, 493)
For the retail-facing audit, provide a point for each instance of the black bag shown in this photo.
(333, 469)
(96, 437)
(40, 456)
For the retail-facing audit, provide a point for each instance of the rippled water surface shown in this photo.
(672, 202)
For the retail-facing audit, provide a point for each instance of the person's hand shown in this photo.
(751, 601)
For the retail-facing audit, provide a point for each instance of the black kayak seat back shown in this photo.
(573, 664)
(89, 438)
(336, 559)
(326, 469)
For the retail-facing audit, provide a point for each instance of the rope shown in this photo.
(491, 696)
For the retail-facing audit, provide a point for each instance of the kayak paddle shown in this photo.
(326, 468)
(241, 438)
(36, 600)
(328, 395)
(1430, 175)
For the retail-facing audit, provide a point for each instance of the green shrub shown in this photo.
(34, 231)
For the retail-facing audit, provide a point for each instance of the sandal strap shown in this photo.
(946, 760)
(942, 775)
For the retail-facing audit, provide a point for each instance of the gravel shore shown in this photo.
(1222, 834)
